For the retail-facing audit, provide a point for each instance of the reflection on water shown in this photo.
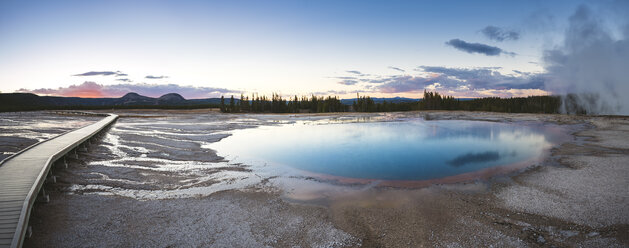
(401, 150)
(471, 158)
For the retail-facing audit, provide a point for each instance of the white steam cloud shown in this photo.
(592, 66)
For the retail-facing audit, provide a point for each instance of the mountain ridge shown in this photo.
(30, 101)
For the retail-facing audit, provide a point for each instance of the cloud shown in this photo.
(155, 77)
(354, 72)
(100, 73)
(500, 34)
(348, 82)
(477, 48)
(592, 62)
(406, 84)
(124, 80)
(479, 81)
(512, 54)
(396, 68)
(488, 77)
(330, 93)
(92, 89)
(344, 78)
(460, 82)
(462, 73)
(86, 89)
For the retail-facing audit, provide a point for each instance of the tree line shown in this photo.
(277, 104)
(320, 104)
(430, 101)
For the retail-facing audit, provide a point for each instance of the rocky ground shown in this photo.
(149, 182)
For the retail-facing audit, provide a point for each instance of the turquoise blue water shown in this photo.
(401, 150)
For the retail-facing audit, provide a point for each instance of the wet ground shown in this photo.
(153, 181)
(21, 129)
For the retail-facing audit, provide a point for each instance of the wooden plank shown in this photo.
(6, 218)
(8, 225)
(8, 229)
(13, 198)
(10, 213)
(9, 221)
(11, 204)
(11, 209)
(16, 185)
(10, 193)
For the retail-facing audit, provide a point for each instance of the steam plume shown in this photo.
(591, 66)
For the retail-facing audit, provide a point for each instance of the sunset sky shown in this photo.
(210, 48)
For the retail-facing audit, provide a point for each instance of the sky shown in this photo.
(206, 49)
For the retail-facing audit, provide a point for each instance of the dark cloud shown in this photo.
(155, 77)
(396, 68)
(100, 73)
(522, 72)
(348, 82)
(124, 80)
(346, 78)
(500, 34)
(354, 72)
(477, 48)
(512, 54)
(92, 89)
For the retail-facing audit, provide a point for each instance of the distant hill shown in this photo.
(28, 101)
(171, 98)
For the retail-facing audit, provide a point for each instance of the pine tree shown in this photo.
(232, 104)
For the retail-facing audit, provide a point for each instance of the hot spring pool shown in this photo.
(402, 150)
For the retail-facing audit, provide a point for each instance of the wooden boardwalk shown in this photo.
(23, 174)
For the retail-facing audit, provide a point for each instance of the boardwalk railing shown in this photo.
(23, 174)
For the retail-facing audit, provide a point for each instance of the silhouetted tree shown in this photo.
(232, 105)
(430, 101)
